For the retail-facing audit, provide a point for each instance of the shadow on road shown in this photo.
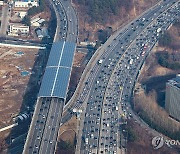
(17, 136)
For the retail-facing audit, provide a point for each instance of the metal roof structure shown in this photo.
(175, 81)
(58, 69)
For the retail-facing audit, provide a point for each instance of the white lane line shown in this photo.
(46, 129)
(58, 68)
(51, 122)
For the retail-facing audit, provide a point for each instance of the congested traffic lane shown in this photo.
(49, 138)
(45, 124)
(38, 125)
(68, 28)
(126, 83)
(94, 93)
(72, 32)
(133, 28)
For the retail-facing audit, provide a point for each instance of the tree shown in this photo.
(131, 135)
(65, 145)
(98, 44)
(34, 10)
(165, 39)
(99, 10)
(104, 34)
(26, 20)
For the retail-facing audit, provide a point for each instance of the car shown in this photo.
(50, 142)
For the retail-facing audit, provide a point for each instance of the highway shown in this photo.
(100, 89)
(133, 44)
(43, 131)
(72, 22)
(125, 33)
(48, 118)
(53, 124)
(68, 28)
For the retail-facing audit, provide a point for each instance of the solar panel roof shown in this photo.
(57, 74)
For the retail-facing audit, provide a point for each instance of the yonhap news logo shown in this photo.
(159, 141)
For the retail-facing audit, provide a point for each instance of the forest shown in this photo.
(99, 10)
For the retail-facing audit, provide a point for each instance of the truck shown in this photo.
(131, 61)
(21, 117)
(143, 53)
(100, 61)
(86, 140)
(158, 30)
(116, 108)
(143, 19)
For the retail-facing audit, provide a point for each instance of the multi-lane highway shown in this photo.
(108, 87)
(45, 123)
(110, 83)
(40, 140)
(53, 121)
(68, 28)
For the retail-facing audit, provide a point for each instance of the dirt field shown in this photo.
(78, 59)
(67, 133)
(12, 83)
(70, 125)
(77, 70)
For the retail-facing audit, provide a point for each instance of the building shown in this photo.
(1, 2)
(26, 3)
(45, 32)
(18, 29)
(34, 22)
(42, 32)
(37, 22)
(172, 102)
(22, 14)
(39, 33)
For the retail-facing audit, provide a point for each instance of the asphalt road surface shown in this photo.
(127, 52)
(68, 21)
(45, 124)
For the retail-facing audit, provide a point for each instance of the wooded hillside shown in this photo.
(100, 10)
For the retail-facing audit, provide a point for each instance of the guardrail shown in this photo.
(94, 59)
